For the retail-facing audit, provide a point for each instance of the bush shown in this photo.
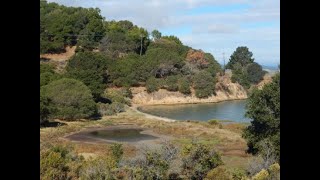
(120, 96)
(274, 171)
(117, 151)
(105, 109)
(110, 109)
(47, 77)
(262, 175)
(218, 173)
(204, 84)
(59, 162)
(172, 83)
(71, 99)
(152, 85)
(238, 174)
(117, 107)
(46, 68)
(184, 85)
(100, 168)
(199, 160)
(213, 122)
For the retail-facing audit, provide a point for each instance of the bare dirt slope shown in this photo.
(58, 60)
(225, 90)
(70, 51)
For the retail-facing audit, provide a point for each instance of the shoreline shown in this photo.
(183, 103)
(135, 107)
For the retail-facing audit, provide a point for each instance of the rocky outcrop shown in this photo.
(225, 90)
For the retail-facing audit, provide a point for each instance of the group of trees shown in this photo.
(61, 26)
(244, 70)
(125, 56)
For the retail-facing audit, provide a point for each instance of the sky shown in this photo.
(214, 26)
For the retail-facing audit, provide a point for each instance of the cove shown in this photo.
(227, 110)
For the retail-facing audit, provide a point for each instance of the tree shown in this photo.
(204, 84)
(240, 75)
(90, 68)
(241, 55)
(255, 73)
(264, 109)
(156, 34)
(70, 98)
(45, 109)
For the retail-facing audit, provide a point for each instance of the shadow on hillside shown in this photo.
(42, 59)
(52, 124)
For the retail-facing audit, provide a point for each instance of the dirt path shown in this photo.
(149, 116)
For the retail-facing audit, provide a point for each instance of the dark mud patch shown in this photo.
(121, 133)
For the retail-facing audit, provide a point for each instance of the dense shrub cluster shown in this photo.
(204, 84)
(70, 98)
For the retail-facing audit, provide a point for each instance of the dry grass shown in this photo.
(70, 51)
(227, 140)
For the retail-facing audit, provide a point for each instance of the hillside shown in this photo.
(225, 90)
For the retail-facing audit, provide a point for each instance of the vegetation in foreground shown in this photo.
(216, 145)
(113, 56)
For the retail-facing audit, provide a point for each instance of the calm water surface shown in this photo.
(227, 110)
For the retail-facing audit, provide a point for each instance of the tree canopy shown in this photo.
(241, 55)
(264, 109)
(90, 68)
(70, 98)
(61, 26)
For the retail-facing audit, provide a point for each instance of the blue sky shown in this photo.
(215, 26)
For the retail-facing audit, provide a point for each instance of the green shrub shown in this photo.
(218, 173)
(47, 77)
(184, 85)
(172, 83)
(199, 160)
(46, 68)
(213, 122)
(99, 168)
(204, 84)
(59, 162)
(238, 174)
(105, 109)
(274, 171)
(110, 109)
(262, 175)
(70, 98)
(152, 84)
(119, 95)
(117, 151)
(117, 107)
